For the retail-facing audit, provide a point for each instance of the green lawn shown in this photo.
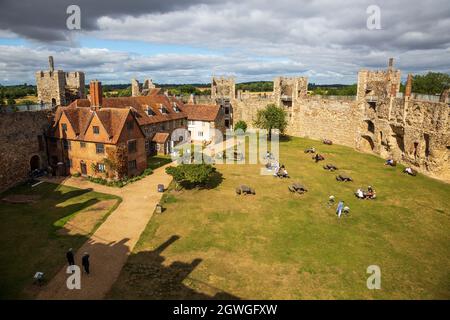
(29, 241)
(157, 161)
(278, 245)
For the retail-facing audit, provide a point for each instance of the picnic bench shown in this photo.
(330, 167)
(298, 188)
(343, 178)
(243, 189)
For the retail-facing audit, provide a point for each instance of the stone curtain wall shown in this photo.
(19, 142)
(326, 119)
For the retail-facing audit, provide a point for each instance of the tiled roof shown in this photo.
(160, 137)
(141, 104)
(202, 112)
(112, 119)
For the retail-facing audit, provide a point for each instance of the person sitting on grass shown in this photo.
(370, 194)
(310, 150)
(410, 171)
(359, 193)
(268, 155)
(389, 162)
(330, 201)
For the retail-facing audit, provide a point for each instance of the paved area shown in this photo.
(115, 239)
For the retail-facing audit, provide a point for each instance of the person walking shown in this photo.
(70, 257)
(339, 209)
(85, 262)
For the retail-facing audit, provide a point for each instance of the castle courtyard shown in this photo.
(212, 243)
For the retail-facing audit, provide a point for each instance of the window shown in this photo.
(64, 126)
(150, 112)
(130, 125)
(163, 127)
(132, 164)
(101, 167)
(96, 129)
(99, 148)
(191, 122)
(200, 133)
(70, 163)
(82, 144)
(227, 110)
(67, 145)
(163, 110)
(175, 108)
(132, 146)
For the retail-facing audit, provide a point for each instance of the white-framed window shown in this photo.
(101, 167)
(200, 133)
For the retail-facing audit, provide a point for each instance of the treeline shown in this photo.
(9, 94)
(431, 83)
(257, 86)
(333, 89)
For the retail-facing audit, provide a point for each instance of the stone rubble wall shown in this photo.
(19, 134)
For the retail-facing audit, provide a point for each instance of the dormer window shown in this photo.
(150, 112)
(163, 110)
(175, 108)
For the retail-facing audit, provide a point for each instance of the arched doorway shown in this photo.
(53, 102)
(367, 144)
(35, 163)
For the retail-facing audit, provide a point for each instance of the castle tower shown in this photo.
(223, 88)
(141, 90)
(56, 87)
(287, 90)
(379, 84)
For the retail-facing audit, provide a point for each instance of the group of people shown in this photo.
(341, 207)
(369, 194)
(84, 260)
(281, 172)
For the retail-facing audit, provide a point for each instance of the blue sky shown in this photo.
(189, 41)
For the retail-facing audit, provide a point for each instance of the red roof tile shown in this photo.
(202, 112)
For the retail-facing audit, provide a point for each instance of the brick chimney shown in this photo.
(391, 63)
(51, 65)
(96, 92)
(408, 87)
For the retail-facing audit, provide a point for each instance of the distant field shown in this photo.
(278, 245)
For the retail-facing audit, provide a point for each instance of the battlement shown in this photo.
(57, 87)
(222, 87)
(141, 90)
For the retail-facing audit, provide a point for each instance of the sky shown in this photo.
(189, 41)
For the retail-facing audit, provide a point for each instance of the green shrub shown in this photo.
(240, 125)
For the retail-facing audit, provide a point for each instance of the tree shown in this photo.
(11, 101)
(240, 125)
(116, 161)
(431, 83)
(191, 175)
(272, 117)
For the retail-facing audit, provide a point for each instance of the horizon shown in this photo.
(188, 42)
